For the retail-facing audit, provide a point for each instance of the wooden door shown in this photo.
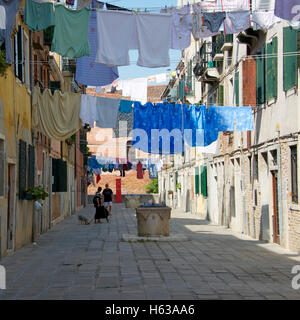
(276, 226)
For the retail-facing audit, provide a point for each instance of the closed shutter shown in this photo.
(20, 54)
(237, 88)
(260, 78)
(289, 62)
(31, 164)
(204, 181)
(221, 95)
(22, 168)
(197, 185)
(271, 70)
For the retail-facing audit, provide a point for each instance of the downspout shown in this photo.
(279, 192)
(243, 192)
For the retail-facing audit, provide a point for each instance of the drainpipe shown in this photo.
(243, 192)
(279, 192)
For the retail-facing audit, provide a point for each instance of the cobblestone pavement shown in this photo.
(74, 261)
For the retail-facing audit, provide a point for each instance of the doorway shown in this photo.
(276, 226)
(11, 207)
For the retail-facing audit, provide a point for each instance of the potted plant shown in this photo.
(36, 193)
(170, 192)
(178, 186)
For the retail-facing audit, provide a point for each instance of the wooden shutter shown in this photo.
(237, 88)
(271, 70)
(61, 176)
(22, 168)
(221, 95)
(260, 78)
(289, 62)
(31, 165)
(197, 186)
(204, 181)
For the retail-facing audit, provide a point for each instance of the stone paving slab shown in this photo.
(93, 262)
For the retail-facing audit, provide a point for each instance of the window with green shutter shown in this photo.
(290, 45)
(237, 88)
(22, 168)
(221, 95)
(260, 77)
(197, 184)
(271, 69)
(204, 181)
(31, 165)
(59, 173)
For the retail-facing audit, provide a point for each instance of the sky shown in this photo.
(134, 71)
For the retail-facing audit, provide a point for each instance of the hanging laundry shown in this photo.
(71, 32)
(181, 27)
(162, 77)
(2, 18)
(244, 118)
(221, 118)
(235, 5)
(111, 167)
(157, 128)
(264, 19)
(88, 109)
(154, 39)
(196, 131)
(98, 178)
(107, 112)
(139, 170)
(88, 72)
(199, 28)
(152, 171)
(129, 166)
(210, 149)
(263, 5)
(113, 41)
(83, 4)
(139, 89)
(11, 8)
(126, 106)
(124, 125)
(214, 20)
(236, 22)
(287, 10)
(57, 115)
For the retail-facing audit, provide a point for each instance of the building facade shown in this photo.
(252, 180)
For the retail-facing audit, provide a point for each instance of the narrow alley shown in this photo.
(74, 261)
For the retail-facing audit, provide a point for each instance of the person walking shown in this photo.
(108, 195)
(97, 203)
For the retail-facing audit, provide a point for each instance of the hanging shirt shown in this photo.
(236, 22)
(181, 27)
(221, 118)
(235, 5)
(88, 72)
(139, 89)
(244, 119)
(88, 109)
(264, 19)
(214, 20)
(107, 112)
(38, 16)
(2, 18)
(114, 40)
(199, 28)
(125, 106)
(71, 32)
(11, 8)
(124, 125)
(139, 171)
(287, 10)
(154, 39)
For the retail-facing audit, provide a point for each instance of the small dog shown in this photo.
(83, 219)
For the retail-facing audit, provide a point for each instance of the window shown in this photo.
(31, 165)
(290, 61)
(22, 168)
(197, 181)
(260, 78)
(294, 174)
(250, 168)
(255, 167)
(237, 88)
(59, 172)
(19, 54)
(221, 95)
(203, 178)
(27, 68)
(271, 70)
(2, 163)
